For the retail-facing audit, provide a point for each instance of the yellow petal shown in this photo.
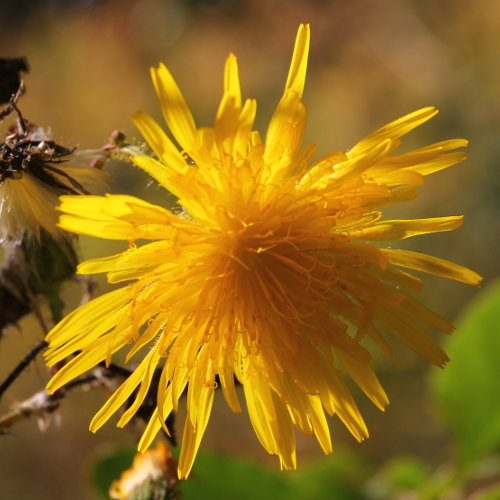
(400, 229)
(259, 419)
(98, 229)
(227, 118)
(85, 361)
(339, 400)
(87, 321)
(116, 217)
(118, 398)
(175, 109)
(155, 423)
(413, 335)
(423, 314)
(181, 184)
(284, 435)
(444, 161)
(192, 435)
(394, 130)
(319, 423)
(432, 265)
(243, 135)
(354, 167)
(401, 278)
(148, 373)
(364, 377)
(160, 143)
(135, 260)
(298, 66)
(227, 383)
(284, 134)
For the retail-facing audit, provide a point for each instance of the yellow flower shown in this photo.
(264, 273)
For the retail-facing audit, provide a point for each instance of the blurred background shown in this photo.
(370, 62)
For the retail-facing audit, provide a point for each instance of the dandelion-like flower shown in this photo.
(264, 275)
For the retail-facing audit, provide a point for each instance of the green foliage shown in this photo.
(219, 477)
(409, 477)
(407, 473)
(467, 391)
(396, 476)
(222, 477)
(335, 477)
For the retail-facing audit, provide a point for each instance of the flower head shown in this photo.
(34, 172)
(266, 273)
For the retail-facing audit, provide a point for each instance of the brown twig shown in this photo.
(22, 365)
(42, 403)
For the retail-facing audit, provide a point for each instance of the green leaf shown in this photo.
(406, 473)
(224, 477)
(401, 477)
(221, 477)
(468, 390)
(334, 477)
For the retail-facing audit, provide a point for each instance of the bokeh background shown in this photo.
(371, 61)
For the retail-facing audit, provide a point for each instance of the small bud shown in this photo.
(153, 476)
